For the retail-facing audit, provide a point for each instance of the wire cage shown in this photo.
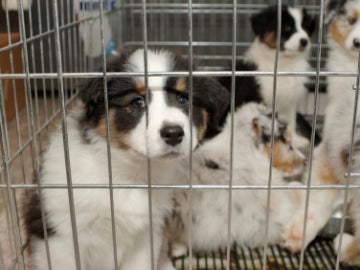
(48, 47)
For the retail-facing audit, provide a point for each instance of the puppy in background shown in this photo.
(332, 156)
(162, 135)
(211, 166)
(296, 29)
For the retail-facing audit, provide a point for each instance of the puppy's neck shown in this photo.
(349, 59)
(259, 51)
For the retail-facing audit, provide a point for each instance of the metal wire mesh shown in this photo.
(319, 255)
(45, 48)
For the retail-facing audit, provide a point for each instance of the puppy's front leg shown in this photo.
(349, 251)
(139, 256)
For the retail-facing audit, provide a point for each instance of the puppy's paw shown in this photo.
(292, 237)
(168, 265)
(178, 250)
(349, 251)
(300, 142)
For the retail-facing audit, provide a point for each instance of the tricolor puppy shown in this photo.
(344, 41)
(211, 166)
(332, 155)
(162, 135)
(296, 29)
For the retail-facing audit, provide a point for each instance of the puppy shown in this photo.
(332, 156)
(211, 166)
(162, 135)
(296, 29)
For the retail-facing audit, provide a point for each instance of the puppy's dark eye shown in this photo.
(138, 103)
(182, 99)
(352, 20)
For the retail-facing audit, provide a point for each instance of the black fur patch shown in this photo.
(266, 22)
(304, 128)
(335, 5)
(32, 214)
(216, 103)
(247, 88)
(211, 164)
(308, 23)
(345, 153)
(92, 93)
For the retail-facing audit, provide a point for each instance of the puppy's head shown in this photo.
(296, 28)
(344, 26)
(286, 158)
(162, 127)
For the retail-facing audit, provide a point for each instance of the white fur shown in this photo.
(160, 115)
(249, 206)
(290, 88)
(89, 165)
(136, 64)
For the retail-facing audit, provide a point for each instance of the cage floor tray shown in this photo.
(319, 255)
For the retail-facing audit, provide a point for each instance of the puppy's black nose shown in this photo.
(303, 42)
(172, 135)
(356, 43)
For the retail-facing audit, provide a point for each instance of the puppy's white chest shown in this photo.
(288, 91)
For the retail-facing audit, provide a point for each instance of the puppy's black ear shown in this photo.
(216, 100)
(92, 95)
(258, 24)
(263, 133)
(265, 21)
(333, 7)
(308, 23)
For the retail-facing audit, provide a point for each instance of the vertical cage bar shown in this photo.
(50, 46)
(106, 101)
(35, 82)
(2, 264)
(29, 108)
(190, 80)
(278, 36)
(63, 44)
(12, 70)
(42, 66)
(350, 159)
(8, 181)
(232, 111)
(65, 135)
(27, 84)
(71, 41)
(84, 61)
(33, 145)
(312, 142)
(78, 52)
(147, 99)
